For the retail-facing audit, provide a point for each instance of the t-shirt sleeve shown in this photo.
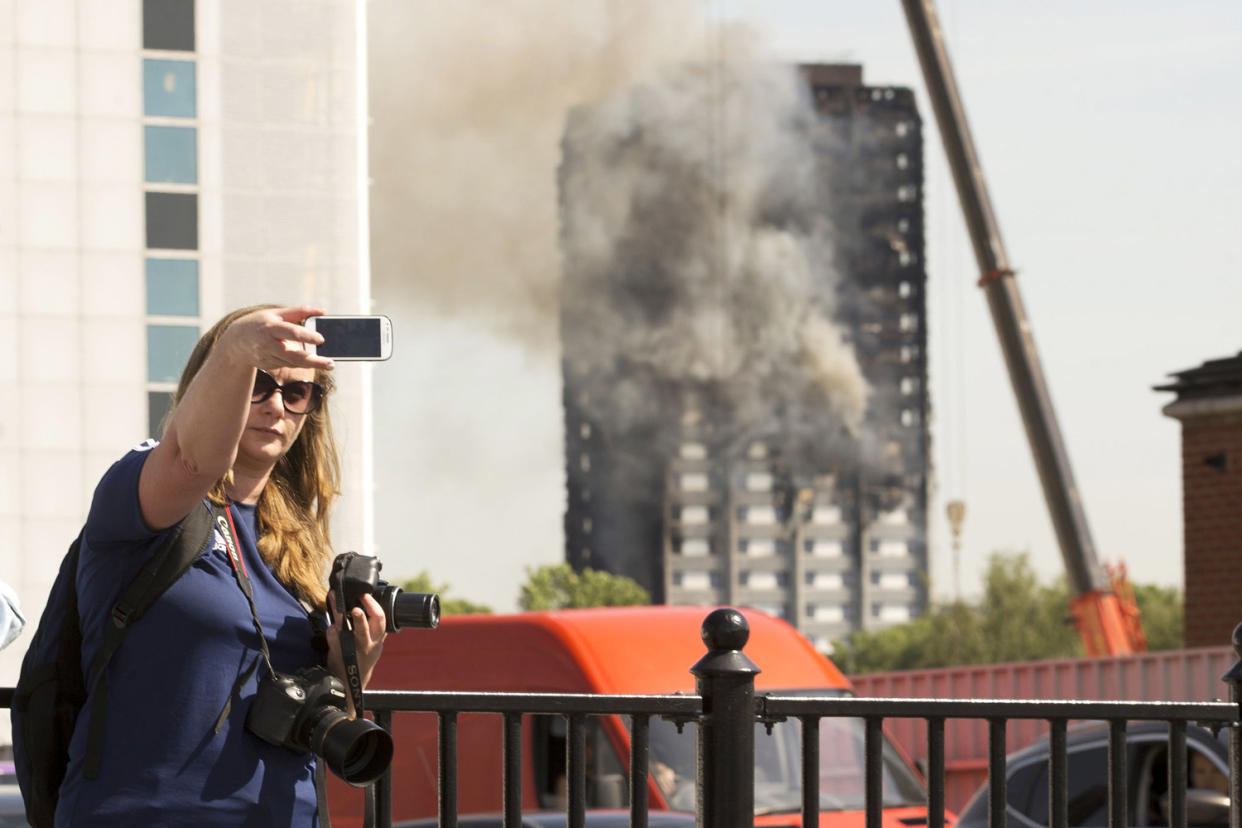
(115, 516)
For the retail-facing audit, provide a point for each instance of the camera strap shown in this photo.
(349, 656)
(224, 523)
(229, 530)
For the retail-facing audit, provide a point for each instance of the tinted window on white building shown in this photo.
(172, 287)
(168, 88)
(171, 154)
(168, 24)
(168, 348)
(172, 221)
(158, 405)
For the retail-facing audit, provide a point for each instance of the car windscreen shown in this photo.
(778, 768)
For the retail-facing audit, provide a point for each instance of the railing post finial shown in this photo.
(726, 630)
(725, 679)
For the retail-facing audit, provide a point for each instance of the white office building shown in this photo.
(162, 162)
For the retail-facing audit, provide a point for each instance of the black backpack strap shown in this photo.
(184, 543)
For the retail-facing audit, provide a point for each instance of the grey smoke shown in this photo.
(699, 241)
(468, 102)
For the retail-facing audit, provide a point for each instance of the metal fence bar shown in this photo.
(576, 770)
(686, 705)
(1117, 773)
(1235, 773)
(810, 771)
(640, 739)
(996, 773)
(1234, 679)
(776, 705)
(1177, 774)
(448, 769)
(873, 776)
(512, 778)
(1058, 775)
(1235, 777)
(383, 785)
(725, 679)
(935, 773)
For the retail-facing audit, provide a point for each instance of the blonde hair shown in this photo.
(294, 507)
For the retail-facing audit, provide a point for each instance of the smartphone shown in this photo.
(352, 337)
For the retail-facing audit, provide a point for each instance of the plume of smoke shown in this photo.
(699, 246)
(468, 101)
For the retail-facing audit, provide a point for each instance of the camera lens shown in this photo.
(410, 609)
(357, 750)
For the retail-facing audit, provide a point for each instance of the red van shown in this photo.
(631, 650)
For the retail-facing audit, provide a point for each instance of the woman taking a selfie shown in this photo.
(249, 430)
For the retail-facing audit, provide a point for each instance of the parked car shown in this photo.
(12, 809)
(1147, 782)
(611, 818)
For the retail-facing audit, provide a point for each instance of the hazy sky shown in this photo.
(1108, 133)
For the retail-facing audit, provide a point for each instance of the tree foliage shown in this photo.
(558, 586)
(448, 606)
(1018, 619)
(1161, 610)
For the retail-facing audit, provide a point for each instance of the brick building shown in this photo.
(1209, 407)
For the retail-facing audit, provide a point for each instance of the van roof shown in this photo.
(625, 650)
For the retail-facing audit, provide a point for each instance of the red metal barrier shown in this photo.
(1174, 675)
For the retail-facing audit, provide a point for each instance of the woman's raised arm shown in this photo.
(200, 443)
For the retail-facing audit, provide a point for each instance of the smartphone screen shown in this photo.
(352, 337)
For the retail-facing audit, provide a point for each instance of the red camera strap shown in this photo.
(228, 529)
(235, 557)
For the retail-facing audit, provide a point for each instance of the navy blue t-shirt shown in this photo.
(163, 763)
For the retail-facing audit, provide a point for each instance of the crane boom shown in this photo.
(1097, 610)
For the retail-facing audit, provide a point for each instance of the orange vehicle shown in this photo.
(633, 650)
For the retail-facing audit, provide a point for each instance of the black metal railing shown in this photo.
(726, 710)
(575, 707)
(997, 713)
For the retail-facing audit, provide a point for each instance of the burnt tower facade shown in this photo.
(744, 345)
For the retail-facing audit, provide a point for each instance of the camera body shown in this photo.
(287, 705)
(354, 576)
(305, 711)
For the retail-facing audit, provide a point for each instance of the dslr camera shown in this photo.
(306, 711)
(354, 576)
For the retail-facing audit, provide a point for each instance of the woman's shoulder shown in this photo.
(115, 501)
(133, 458)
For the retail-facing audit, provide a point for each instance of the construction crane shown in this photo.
(1102, 605)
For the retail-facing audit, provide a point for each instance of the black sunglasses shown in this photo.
(297, 396)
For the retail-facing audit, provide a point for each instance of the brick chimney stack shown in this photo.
(1209, 407)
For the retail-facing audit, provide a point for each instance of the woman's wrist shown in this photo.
(232, 350)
